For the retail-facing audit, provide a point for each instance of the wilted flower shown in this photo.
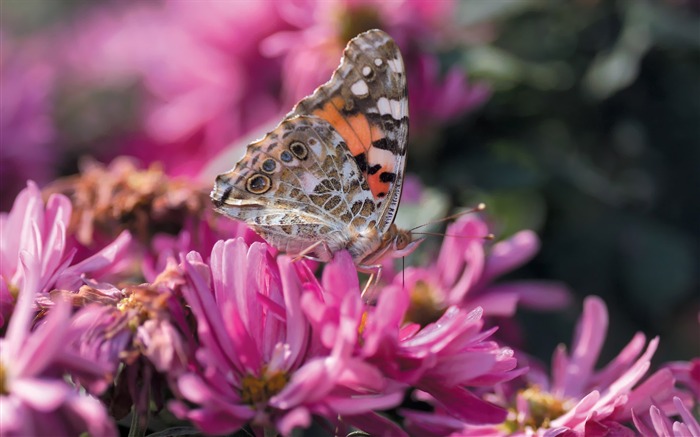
(142, 327)
(34, 397)
(259, 364)
(108, 199)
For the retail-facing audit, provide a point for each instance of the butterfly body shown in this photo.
(329, 176)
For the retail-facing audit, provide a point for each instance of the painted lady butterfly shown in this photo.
(329, 176)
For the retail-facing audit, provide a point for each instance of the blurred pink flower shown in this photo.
(34, 397)
(443, 359)
(687, 373)
(657, 423)
(28, 80)
(578, 400)
(202, 81)
(39, 230)
(464, 272)
(259, 363)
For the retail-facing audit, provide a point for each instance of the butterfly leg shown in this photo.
(375, 272)
(305, 253)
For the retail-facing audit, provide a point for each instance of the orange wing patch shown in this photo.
(359, 134)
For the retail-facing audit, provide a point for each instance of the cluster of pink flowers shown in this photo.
(121, 294)
(236, 337)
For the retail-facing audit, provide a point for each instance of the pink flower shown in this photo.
(259, 364)
(464, 272)
(39, 230)
(202, 89)
(34, 397)
(578, 400)
(27, 86)
(443, 359)
(658, 424)
(687, 373)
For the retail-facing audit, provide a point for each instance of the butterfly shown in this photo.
(329, 176)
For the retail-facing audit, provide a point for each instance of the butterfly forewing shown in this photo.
(366, 103)
(331, 171)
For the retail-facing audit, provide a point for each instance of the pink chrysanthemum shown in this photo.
(578, 400)
(39, 230)
(259, 365)
(443, 359)
(34, 397)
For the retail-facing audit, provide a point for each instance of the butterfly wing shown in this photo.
(332, 170)
(297, 186)
(366, 103)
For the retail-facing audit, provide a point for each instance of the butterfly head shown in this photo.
(396, 243)
(401, 242)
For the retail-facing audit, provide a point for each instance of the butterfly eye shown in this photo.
(402, 240)
(258, 184)
(269, 165)
(299, 150)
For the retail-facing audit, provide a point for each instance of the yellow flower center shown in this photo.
(3, 375)
(143, 303)
(543, 409)
(259, 389)
(424, 308)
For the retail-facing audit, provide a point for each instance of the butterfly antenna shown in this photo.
(437, 234)
(478, 208)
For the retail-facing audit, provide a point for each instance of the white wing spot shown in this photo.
(366, 71)
(395, 65)
(359, 88)
(378, 62)
(393, 107)
(396, 109)
(384, 106)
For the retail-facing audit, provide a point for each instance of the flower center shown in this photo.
(424, 308)
(3, 380)
(259, 389)
(142, 303)
(542, 409)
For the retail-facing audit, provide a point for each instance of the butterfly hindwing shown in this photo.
(296, 185)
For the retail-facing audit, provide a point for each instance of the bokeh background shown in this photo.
(578, 119)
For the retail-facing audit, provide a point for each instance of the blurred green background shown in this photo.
(591, 137)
